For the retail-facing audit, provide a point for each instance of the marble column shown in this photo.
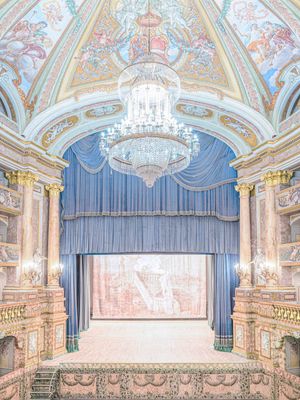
(272, 180)
(27, 180)
(54, 270)
(244, 270)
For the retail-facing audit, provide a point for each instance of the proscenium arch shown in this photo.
(245, 114)
(7, 77)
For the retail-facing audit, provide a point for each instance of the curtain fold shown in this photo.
(83, 285)
(105, 212)
(205, 188)
(225, 283)
(210, 268)
(107, 235)
(69, 283)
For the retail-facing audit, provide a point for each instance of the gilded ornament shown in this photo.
(54, 189)
(244, 189)
(273, 178)
(24, 178)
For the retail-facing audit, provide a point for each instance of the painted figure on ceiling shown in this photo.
(24, 46)
(271, 44)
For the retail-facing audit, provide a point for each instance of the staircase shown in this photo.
(44, 383)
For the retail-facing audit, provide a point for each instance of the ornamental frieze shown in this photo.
(289, 254)
(240, 129)
(288, 200)
(9, 254)
(57, 130)
(10, 201)
(194, 110)
(104, 111)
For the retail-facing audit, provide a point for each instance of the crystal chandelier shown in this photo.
(149, 142)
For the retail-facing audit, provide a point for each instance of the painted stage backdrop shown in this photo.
(149, 286)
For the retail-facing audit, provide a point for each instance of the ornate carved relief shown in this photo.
(53, 133)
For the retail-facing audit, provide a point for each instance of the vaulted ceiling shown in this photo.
(64, 58)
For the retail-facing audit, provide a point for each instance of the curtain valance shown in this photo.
(205, 188)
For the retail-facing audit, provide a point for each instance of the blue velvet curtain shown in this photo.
(69, 283)
(225, 283)
(195, 211)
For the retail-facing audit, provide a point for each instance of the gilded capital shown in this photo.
(54, 189)
(244, 189)
(273, 178)
(24, 178)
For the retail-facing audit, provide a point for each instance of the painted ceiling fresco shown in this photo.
(177, 34)
(269, 41)
(29, 42)
(183, 32)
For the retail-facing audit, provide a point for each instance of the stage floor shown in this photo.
(147, 342)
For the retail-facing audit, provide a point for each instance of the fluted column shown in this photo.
(244, 270)
(272, 179)
(27, 180)
(54, 270)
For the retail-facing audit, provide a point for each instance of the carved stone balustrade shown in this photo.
(11, 313)
(287, 313)
(262, 320)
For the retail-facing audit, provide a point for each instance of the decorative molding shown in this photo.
(289, 254)
(194, 110)
(244, 189)
(99, 112)
(274, 178)
(57, 130)
(240, 129)
(24, 178)
(9, 254)
(54, 189)
(288, 200)
(10, 201)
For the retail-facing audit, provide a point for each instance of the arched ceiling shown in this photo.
(64, 58)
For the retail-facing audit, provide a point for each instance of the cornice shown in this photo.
(33, 157)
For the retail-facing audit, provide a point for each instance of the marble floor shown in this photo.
(147, 342)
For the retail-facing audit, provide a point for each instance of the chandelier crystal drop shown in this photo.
(149, 142)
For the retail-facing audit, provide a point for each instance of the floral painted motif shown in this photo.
(271, 44)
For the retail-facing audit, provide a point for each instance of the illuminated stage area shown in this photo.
(144, 286)
(148, 342)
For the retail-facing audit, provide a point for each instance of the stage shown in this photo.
(184, 341)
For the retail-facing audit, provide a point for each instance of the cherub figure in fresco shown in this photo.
(279, 36)
(53, 13)
(256, 41)
(104, 38)
(138, 47)
(248, 12)
(127, 13)
(172, 14)
(25, 46)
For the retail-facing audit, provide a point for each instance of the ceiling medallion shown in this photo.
(149, 142)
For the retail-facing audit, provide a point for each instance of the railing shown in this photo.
(287, 313)
(10, 313)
